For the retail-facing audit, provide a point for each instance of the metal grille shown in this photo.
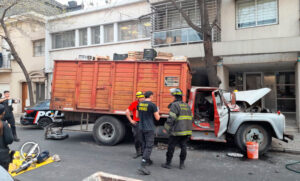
(169, 27)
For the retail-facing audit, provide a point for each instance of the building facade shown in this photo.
(29, 41)
(258, 45)
(102, 31)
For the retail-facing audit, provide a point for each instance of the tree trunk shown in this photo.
(19, 61)
(210, 62)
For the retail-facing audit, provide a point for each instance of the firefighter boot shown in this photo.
(143, 170)
(181, 165)
(166, 165)
(138, 154)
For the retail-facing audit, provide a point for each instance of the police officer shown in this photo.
(9, 115)
(179, 126)
(135, 123)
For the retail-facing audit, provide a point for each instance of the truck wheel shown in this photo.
(43, 122)
(254, 133)
(108, 130)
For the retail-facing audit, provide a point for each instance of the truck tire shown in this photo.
(255, 133)
(43, 122)
(108, 130)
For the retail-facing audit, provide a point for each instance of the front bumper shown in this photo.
(289, 136)
(26, 120)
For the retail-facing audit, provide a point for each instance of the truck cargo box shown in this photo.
(109, 87)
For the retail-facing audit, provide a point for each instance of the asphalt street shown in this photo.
(81, 157)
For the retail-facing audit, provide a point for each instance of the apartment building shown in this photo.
(99, 31)
(29, 41)
(27, 32)
(259, 46)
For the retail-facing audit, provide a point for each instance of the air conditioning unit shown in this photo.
(10, 56)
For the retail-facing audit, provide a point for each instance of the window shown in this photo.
(82, 36)
(63, 39)
(108, 33)
(95, 33)
(251, 13)
(134, 30)
(39, 48)
(177, 36)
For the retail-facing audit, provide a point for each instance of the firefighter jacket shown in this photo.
(180, 120)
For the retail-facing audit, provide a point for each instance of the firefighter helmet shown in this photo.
(139, 94)
(176, 92)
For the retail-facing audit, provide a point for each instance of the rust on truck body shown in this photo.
(109, 86)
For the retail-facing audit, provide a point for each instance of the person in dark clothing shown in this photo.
(135, 123)
(6, 138)
(9, 115)
(179, 126)
(147, 112)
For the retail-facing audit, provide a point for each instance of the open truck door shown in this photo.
(221, 113)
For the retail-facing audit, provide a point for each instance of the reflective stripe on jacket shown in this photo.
(180, 120)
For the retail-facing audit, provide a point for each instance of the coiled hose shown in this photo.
(287, 166)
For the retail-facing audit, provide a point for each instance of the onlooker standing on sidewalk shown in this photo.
(147, 112)
(9, 115)
(135, 123)
(6, 138)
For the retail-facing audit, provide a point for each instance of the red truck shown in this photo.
(97, 93)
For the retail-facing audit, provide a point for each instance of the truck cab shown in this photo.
(219, 115)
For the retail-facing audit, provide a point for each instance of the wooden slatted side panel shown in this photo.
(123, 87)
(104, 85)
(63, 86)
(86, 77)
(173, 76)
(148, 79)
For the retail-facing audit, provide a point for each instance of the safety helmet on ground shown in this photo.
(176, 92)
(139, 94)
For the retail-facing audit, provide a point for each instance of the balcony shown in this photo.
(5, 63)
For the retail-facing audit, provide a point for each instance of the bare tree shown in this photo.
(205, 29)
(12, 8)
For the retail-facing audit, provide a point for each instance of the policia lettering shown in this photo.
(179, 126)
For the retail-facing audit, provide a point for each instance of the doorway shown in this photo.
(24, 95)
(254, 81)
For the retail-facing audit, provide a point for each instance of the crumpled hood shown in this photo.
(250, 96)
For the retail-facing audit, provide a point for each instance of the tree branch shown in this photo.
(8, 8)
(186, 18)
(215, 22)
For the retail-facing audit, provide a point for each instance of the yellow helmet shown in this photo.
(139, 94)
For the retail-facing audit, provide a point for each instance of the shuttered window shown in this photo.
(251, 13)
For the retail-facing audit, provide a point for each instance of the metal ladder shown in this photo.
(84, 119)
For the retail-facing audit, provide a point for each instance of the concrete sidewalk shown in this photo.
(277, 145)
(290, 147)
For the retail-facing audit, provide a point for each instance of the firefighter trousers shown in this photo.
(137, 138)
(147, 143)
(173, 142)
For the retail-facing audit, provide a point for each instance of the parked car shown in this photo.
(40, 114)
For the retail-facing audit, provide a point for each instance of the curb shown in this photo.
(285, 150)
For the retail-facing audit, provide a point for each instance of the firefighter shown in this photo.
(179, 127)
(135, 123)
(147, 112)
